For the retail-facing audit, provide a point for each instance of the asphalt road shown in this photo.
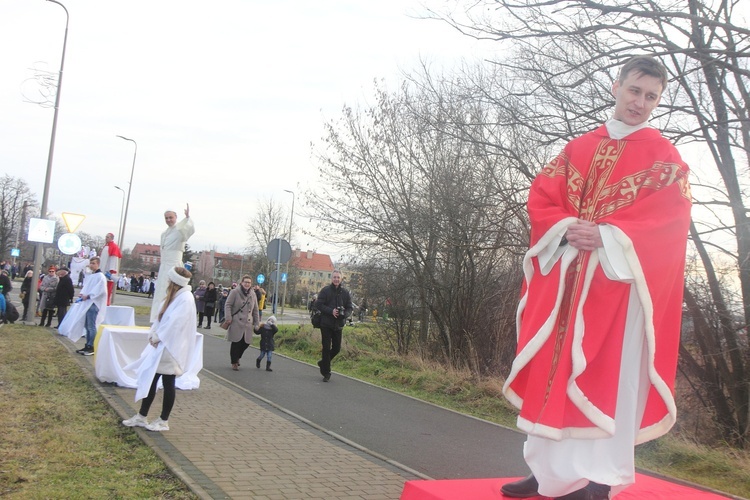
(431, 440)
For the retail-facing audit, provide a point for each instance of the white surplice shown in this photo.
(172, 246)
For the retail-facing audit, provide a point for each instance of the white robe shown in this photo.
(74, 323)
(172, 245)
(109, 263)
(176, 335)
(78, 265)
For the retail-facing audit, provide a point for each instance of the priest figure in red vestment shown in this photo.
(110, 263)
(598, 324)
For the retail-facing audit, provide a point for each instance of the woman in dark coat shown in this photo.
(200, 301)
(64, 295)
(26, 292)
(209, 300)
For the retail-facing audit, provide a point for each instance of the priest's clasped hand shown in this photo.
(584, 235)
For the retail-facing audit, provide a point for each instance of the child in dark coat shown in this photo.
(267, 330)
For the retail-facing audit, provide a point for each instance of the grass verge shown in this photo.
(365, 357)
(60, 439)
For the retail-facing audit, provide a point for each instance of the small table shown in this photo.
(118, 346)
(119, 315)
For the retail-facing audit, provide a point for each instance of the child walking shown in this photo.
(267, 330)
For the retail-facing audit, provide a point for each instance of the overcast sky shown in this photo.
(223, 99)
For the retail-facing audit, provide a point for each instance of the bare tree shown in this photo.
(561, 58)
(266, 224)
(15, 197)
(440, 202)
(92, 241)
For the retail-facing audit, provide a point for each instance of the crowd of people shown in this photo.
(137, 284)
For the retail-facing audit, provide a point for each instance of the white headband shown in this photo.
(177, 279)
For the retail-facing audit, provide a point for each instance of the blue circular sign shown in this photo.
(260, 279)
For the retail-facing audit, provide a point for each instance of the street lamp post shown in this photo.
(45, 198)
(119, 238)
(130, 188)
(124, 218)
(291, 219)
(122, 211)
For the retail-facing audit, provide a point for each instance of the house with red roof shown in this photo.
(313, 270)
(148, 254)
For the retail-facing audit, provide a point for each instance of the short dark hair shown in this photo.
(644, 65)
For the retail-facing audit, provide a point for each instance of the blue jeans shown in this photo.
(91, 325)
(265, 353)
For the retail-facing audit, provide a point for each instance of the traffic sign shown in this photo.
(69, 243)
(260, 279)
(276, 254)
(72, 221)
(283, 277)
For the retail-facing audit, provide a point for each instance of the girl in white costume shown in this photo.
(171, 344)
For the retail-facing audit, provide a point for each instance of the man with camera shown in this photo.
(335, 305)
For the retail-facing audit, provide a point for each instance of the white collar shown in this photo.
(619, 130)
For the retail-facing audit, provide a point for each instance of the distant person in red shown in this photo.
(110, 263)
(598, 324)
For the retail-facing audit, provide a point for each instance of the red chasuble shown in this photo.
(571, 318)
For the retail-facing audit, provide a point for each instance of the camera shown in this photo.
(342, 311)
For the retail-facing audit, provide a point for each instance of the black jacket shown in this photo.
(26, 287)
(210, 297)
(266, 337)
(329, 298)
(7, 286)
(65, 291)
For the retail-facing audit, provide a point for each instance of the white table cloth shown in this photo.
(118, 346)
(119, 315)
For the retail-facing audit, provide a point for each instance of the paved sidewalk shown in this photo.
(225, 442)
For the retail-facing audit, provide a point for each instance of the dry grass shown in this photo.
(59, 438)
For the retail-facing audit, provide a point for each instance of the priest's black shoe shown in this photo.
(525, 488)
(594, 491)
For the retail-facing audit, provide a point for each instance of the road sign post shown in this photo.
(279, 251)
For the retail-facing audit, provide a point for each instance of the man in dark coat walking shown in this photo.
(335, 305)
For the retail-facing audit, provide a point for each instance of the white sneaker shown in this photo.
(158, 425)
(137, 421)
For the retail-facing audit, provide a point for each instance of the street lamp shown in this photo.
(130, 188)
(291, 218)
(124, 218)
(43, 211)
(122, 210)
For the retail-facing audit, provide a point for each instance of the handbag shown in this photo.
(49, 302)
(225, 324)
(22, 295)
